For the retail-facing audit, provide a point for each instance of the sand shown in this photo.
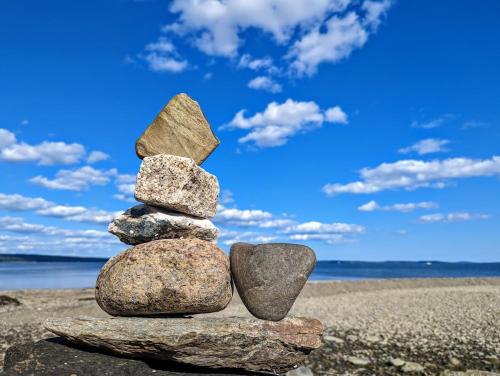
(438, 324)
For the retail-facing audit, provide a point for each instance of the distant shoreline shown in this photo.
(20, 257)
(48, 258)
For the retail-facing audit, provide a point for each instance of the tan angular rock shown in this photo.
(144, 223)
(179, 129)
(165, 277)
(232, 342)
(178, 184)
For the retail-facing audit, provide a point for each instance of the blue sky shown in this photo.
(365, 129)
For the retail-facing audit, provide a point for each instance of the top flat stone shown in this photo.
(179, 129)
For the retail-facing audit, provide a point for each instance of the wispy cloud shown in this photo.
(427, 146)
(75, 180)
(402, 207)
(97, 156)
(43, 207)
(264, 83)
(452, 217)
(433, 123)
(472, 124)
(162, 56)
(413, 174)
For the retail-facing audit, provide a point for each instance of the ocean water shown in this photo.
(55, 275)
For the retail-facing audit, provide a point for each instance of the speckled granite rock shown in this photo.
(179, 129)
(59, 357)
(178, 184)
(231, 342)
(165, 277)
(269, 277)
(143, 223)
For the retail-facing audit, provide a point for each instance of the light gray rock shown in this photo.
(144, 223)
(397, 362)
(300, 371)
(410, 367)
(177, 183)
(360, 362)
(333, 339)
(233, 342)
(269, 277)
(165, 277)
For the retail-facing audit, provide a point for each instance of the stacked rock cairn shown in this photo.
(175, 269)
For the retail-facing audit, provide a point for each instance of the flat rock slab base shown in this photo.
(56, 357)
(236, 343)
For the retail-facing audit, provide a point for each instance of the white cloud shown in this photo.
(341, 36)
(160, 63)
(75, 180)
(246, 61)
(311, 32)
(61, 211)
(16, 202)
(216, 25)
(19, 225)
(97, 156)
(125, 183)
(265, 83)
(96, 216)
(242, 218)
(471, 124)
(315, 227)
(262, 226)
(413, 174)
(45, 153)
(405, 208)
(7, 138)
(431, 124)
(229, 237)
(336, 115)
(54, 240)
(226, 197)
(280, 121)
(427, 146)
(330, 233)
(451, 217)
(162, 56)
(327, 238)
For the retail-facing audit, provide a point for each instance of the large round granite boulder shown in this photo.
(174, 276)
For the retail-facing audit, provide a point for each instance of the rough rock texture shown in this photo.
(58, 357)
(179, 129)
(232, 342)
(143, 223)
(269, 277)
(178, 184)
(165, 277)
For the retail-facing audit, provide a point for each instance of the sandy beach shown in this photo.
(382, 327)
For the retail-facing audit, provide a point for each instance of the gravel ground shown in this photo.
(373, 327)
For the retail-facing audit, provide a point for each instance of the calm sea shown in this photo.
(39, 275)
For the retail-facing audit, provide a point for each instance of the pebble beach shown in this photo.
(378, 327)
